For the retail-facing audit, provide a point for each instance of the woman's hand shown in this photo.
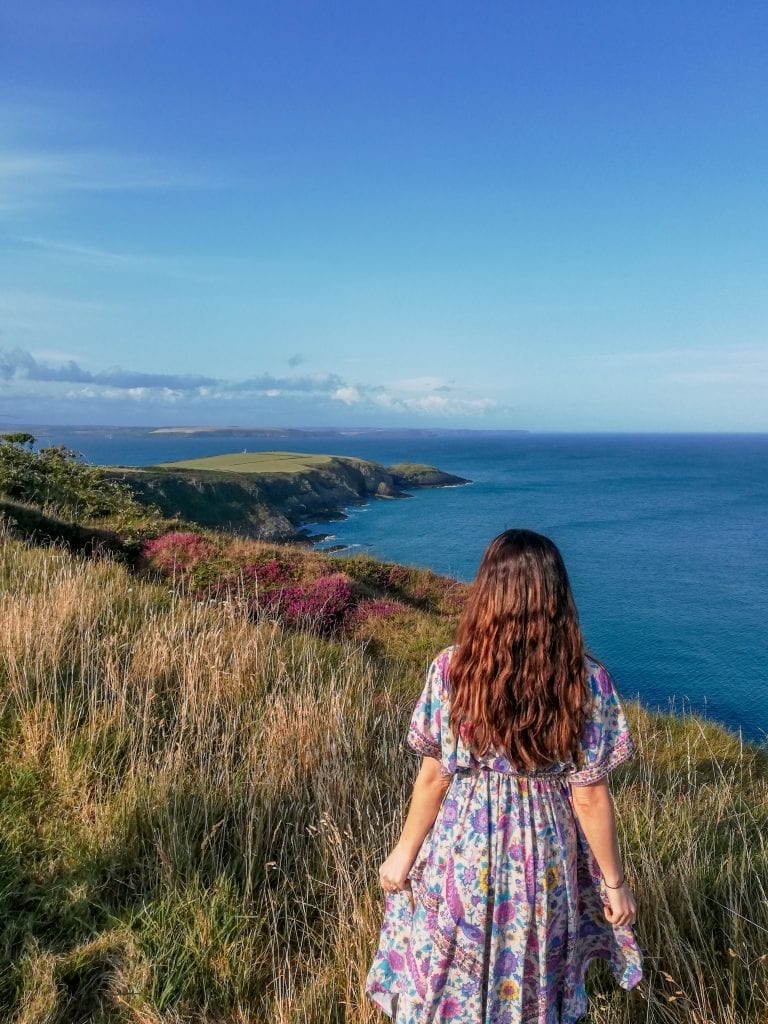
(393, 873)
(428, 791)
(621, 908)
(593, 806)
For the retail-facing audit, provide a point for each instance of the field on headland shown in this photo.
(197, 792)
(253, 462)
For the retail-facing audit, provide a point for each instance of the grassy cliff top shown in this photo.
(253, 462)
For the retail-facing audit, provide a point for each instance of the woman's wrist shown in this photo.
(618, 885)
(406, 847)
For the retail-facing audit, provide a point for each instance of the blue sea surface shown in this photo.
(665, 538)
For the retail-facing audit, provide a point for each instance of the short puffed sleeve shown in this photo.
(428, 732)
(605, 739)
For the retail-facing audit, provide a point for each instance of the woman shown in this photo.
(507, 879)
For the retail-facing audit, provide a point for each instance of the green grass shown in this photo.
(413, 468)
(193, 808)
(253, 462)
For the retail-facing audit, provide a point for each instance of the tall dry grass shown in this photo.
(193, 808)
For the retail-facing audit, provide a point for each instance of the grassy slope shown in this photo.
(193, 808)
(253, 462)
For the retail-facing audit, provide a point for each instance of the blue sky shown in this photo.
(536, 215)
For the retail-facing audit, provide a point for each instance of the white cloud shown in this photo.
(434, 404)
(451, 406)
(59, 376)
(421, 384)
(52, 355)
(347, 395)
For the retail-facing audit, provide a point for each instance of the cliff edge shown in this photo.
(272, 495)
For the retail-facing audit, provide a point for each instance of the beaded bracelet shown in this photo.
(619, 886)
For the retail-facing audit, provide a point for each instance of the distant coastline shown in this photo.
(106, 429)
(325, 431)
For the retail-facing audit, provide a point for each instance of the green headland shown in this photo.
(271, 495)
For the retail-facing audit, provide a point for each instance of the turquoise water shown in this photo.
(665, 538)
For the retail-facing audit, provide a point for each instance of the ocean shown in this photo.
(665, 538)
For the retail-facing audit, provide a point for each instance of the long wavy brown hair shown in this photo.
(517, 674)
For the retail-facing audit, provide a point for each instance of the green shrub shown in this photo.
(57, 480)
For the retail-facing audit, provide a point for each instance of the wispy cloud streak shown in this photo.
(725, 364)
(90, 254)
(30, 176)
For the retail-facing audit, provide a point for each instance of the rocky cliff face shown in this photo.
(274, 506)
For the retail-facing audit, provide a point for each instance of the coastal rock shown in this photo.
(410, 474)
(274, 506)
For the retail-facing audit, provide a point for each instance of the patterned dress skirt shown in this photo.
(508, 897)
(508, 912)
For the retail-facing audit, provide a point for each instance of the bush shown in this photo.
(372, 610)
(322, 604)
(56, 480)
(272, 573)
(177, 552)
(373, 574)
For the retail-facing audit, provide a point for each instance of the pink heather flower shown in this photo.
(321, 603)
(379, 608)
(373, 610)
(176, 552)
(270, 573)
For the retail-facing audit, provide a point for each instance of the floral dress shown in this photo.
(508, 895)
